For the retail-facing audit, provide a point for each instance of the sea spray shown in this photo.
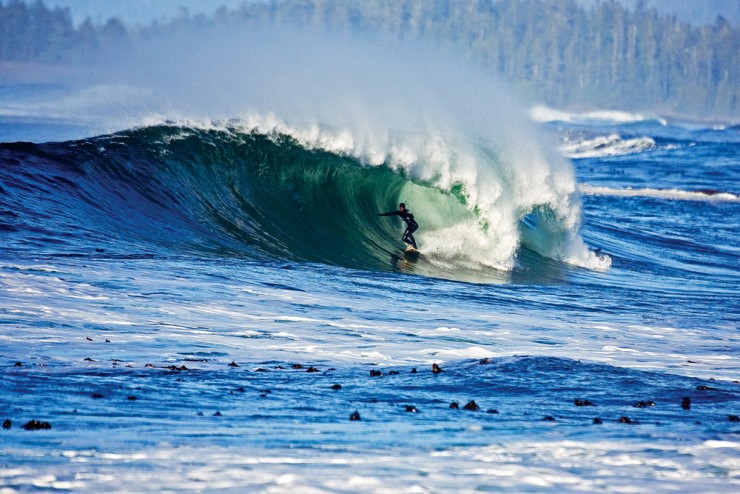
(449, 131)
(498, 182)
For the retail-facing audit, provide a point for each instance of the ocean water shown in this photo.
(205, 306)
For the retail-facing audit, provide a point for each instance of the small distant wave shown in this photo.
(603, 146)
(544, 114)
(669, 194)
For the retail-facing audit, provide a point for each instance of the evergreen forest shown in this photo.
(561, 52)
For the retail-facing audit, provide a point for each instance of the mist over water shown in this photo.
(438, 121)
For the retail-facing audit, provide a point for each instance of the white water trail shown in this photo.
(603, 146)
(667, 194)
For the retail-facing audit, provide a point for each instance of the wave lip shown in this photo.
(669, 194)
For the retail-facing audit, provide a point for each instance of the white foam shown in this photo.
(544, 114)
(510, 464)
(668, 194)
(603, 146)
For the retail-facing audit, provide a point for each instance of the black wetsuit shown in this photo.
(411, 225)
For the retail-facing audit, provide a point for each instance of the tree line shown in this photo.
(560, 51)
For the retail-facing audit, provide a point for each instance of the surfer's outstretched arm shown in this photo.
(392, 213)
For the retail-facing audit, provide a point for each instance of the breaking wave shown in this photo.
(264, 189)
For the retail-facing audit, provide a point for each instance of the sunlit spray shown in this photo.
(450, 129)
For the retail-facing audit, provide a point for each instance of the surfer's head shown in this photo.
(402, 206)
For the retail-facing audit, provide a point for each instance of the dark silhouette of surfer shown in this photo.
(411, 224)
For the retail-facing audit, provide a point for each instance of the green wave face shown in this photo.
(271, 197)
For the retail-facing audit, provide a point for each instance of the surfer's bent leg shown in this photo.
(405, 237)
(408, 236)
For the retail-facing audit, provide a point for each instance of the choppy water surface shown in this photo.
(205, 308)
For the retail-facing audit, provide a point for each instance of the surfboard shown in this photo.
(411, 254)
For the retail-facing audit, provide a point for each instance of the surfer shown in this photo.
(411, 224)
